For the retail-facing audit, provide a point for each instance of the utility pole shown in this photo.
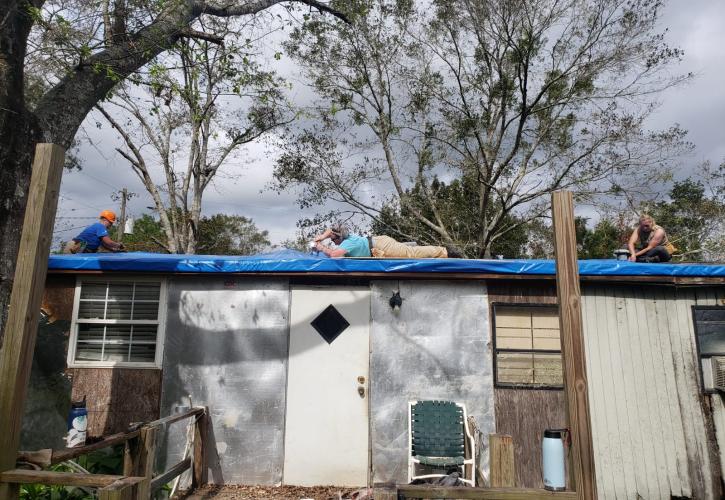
(122, 224)
(124, 196)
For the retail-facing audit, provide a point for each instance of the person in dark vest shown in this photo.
(649, 242)
(95, 236)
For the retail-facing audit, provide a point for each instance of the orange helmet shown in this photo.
(108, 215)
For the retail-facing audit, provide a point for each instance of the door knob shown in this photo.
(361, 391)
(361, 380)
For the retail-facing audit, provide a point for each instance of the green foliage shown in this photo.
(694, 220)
(105, 461)
(230, 235)
(600, 242)
(457, 207)
(300, 244)
(148, 236)
(218, 234)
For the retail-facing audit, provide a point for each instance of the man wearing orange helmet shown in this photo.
(94, 236)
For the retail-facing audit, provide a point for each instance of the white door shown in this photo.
(326, 430)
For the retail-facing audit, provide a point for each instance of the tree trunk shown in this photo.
(18, 134)
(16, 155)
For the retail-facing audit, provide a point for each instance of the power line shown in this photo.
(97, 179)
(66, 197)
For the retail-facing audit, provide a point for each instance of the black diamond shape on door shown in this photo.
(330, 324)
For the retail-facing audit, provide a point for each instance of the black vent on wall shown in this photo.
(330, 324)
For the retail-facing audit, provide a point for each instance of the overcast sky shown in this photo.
(695, 26)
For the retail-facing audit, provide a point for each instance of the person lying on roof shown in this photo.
(95, 236)
(650, 241)
(352, 245)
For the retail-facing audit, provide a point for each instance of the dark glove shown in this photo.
(121, 248)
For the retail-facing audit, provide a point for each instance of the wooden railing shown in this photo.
(137, 481)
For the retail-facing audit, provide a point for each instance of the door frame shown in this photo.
(368, 384)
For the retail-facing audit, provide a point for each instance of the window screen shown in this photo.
(117, 322)
(527, 346)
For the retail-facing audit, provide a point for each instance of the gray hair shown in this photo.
(341, 230)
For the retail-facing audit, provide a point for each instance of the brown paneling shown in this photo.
(524, 414)
(58, 297)
(533, 292)
(117, 397)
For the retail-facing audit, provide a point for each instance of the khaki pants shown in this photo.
(72, 247)
(387, 247)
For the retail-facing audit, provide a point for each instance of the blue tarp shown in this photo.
(290, 261)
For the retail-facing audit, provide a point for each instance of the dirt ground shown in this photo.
(276, 492)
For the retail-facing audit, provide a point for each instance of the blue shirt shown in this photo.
(92, 235)
(355, 246)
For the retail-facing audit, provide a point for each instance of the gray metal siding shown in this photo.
(227, 346)
(435, 347)
(650, 432)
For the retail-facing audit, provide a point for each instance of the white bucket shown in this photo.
(621, 254)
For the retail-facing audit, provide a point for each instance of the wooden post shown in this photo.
(138, 459)
(130, 456)
(145, 460)
(501, 461)
(572, 344)
(199, 476)
(128, 488)
(385, 492)
(21, 328)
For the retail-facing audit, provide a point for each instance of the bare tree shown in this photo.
(187, 122)
(518, 98)
(83, 50)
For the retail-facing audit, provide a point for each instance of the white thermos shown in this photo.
(552, 460)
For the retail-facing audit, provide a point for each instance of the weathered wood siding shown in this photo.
(57, 301)
(525, 413)
(718, 416)
(651, 424)
(117, 397)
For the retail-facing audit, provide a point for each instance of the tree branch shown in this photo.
(160, 243)
(63, 108)
(252, 7)
(200, 35)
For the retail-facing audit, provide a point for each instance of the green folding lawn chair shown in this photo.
(437, 440)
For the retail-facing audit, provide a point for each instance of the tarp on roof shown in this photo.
(291, 261)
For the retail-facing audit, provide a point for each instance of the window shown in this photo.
(117, 323)
(710, 334)
(527, 346)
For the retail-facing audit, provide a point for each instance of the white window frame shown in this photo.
(161, 321)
